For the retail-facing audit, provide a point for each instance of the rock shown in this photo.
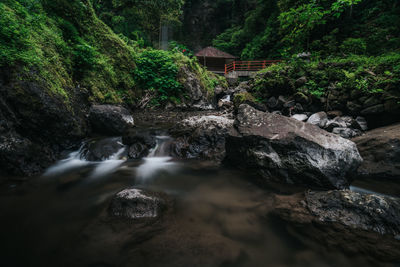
(280, 102)
(298, 108)
(320, 119)
(333, 218)
(337, 122)
(300, 117)
(346, 132)
(301, 98)
(373, 110)
(380, 149)
(334, 113)
(272, 102)
(300, 81)
(110, 120)
(361, 123)
(349, 121)
(225, 102)
(20, 156)
(140, 141)
(276, 112)
(289, 104)
(286, 150)
(353, 108)
(103, 149)
(371, 101)
(304, 55)
(136, 204)
(201, 137)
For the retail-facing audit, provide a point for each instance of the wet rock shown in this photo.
(272, 102)
(332, 218)
(201, 137)
(346, 132)
(373, 110)
(320, 119)
(337, 122)
(353, 107)
(280, 102)
(286, 150)
(20, 156)
(361, 123)
(301, 98)
(380, 149)
(334, 113)
(371, 101)
(136, 204)
(111, 120)
(140, 141)
(225, 102)
(300, 117)
(103, 149)
(289, 104)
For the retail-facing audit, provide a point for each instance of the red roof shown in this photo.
(213, 52)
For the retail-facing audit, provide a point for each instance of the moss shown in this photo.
(61, 45)
(244, 97)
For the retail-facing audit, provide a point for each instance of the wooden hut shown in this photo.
(214, 59)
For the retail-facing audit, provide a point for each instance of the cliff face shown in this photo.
(204, 20)
(56, 58)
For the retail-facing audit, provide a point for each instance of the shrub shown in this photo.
(355, 46)
(157, 71)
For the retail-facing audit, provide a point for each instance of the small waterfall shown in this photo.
(78, 159)
(158, 160)
(73, 161)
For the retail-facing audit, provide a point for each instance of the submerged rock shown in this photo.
(111, 120)
(136, 204)
(333, 218)
(380, 149)
(103, 149)
(286, 150)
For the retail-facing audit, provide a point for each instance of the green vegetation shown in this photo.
(157, 72)
(327, 28)
(356, 75)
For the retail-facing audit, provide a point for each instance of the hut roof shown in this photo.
(213, 52)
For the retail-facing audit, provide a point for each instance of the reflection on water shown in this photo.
(219, 218)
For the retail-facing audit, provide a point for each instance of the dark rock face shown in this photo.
(136, 204)
(380, 149)
(35, 124)
(140, 141)
(286, 150)
(20, 156)
(332, 218)
(111, 120)
(99, 150)
(201, 137)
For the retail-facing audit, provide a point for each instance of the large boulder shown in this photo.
(380, 149)
(287, 150)
(110, 120)
(341, 219)
(201, 137)
(136, 204)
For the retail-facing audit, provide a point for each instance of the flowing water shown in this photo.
(219, 218)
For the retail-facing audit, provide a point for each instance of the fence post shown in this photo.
(225, 69)
(234, 65)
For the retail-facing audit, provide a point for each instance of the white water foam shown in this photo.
(73, 161)
(157, 160)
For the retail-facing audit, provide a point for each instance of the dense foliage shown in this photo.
(280, 28)
(349, 77)
(139, 20)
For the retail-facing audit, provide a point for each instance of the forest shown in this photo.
(200, 132)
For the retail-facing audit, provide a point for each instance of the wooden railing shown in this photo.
(252, 66)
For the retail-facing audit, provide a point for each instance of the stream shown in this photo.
(219, 219)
